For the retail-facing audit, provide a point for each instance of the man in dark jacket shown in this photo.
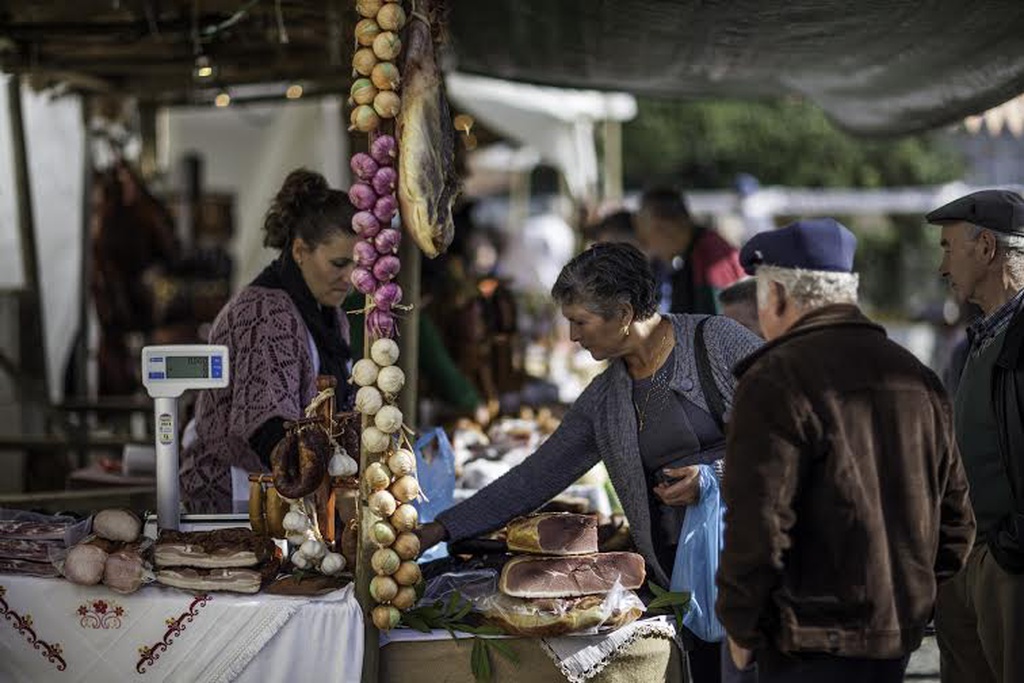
(846, 500)
(980, 614)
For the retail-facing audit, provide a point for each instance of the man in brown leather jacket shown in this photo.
(846, 500)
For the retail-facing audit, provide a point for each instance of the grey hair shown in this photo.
(808, 288)
(1011, 247)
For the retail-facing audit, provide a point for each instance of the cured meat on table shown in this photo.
(558, 533)
(571, 576)
(220, 548)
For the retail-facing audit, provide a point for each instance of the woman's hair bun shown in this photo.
(303, 193)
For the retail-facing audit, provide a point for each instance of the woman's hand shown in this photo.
(741, 656)
(685, 490)
(431, 534)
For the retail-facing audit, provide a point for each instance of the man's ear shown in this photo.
(781, 300)
(989, 246)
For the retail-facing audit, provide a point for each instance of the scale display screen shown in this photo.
(187, 367)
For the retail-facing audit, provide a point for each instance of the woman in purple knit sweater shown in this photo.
(282, 330)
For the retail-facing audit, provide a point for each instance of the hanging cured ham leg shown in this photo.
(427, 183)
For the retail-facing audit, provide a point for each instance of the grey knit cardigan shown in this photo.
(601, 425)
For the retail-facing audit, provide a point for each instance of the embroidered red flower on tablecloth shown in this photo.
(23, 625)
(101, 614)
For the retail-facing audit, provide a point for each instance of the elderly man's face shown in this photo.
(963, 262)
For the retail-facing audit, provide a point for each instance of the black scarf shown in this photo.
(322, 321)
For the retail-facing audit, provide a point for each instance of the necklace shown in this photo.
(657, 380)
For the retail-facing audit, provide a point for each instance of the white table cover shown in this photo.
(51, 629)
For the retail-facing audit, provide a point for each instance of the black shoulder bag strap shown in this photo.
(712, 395)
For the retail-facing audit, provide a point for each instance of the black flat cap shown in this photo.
(999, 210)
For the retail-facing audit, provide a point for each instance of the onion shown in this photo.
(383, 504)
(388, 420)
(405, 599)
(362, 196)
(374, 440)
(363, 61)
(386, 617)
(384, 352)
(385, 209)
(402, 462)
(387, 240)
(364, 167)
(385, 179)
(387, 46)
(385, 76)
(368, 400)
(383, 588)
(386, 268)
(408, 574)
(381, 324)
(369, 8)
(387, 104)
(364, 118)
(377, 477)
(364, 254)
(385, 561)
(364, 372)
(363, 280)
(368, 29)
(405, 489)
(365, 224)
(391, 17)
(390, 380)
(407, 545)
(382, 533)
(363, 91)
(404, 518)
(384, 150)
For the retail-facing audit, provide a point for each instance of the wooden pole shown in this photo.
(612, 133)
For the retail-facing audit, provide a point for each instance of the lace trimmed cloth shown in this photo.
(273, 364)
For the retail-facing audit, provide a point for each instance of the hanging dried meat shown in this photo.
(427, 182)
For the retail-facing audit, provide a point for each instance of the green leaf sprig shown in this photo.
(665, 601)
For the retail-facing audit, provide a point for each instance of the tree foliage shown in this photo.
(705, 144)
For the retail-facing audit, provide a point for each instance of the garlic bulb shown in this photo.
(296, 538)
(384, 352)
(404, 517)
(388, 419)
(342, 464)
(383, 588)
(385, 561)
(407, 574)
(402, 462)
(295, 521)
(383, 504)
(313, 549)
(405, 489)
(377, 477)
(364, 372)
(299, 560)
(333, 563)
(374, 440)
(369, 400)
(390, 379)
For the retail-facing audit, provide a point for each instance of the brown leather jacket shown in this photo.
(846, 499)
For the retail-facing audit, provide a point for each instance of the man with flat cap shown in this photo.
(979, 619)
(846, 500)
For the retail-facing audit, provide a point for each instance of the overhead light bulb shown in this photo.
(203, 67)
(293, 92)
(222, 99)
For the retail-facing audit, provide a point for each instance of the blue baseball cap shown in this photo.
(809, 244)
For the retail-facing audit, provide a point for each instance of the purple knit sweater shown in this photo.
(273, 374)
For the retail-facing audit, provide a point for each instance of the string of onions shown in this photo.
(389, 484)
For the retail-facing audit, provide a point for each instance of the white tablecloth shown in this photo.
(51, 629)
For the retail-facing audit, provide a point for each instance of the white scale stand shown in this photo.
(167, 373)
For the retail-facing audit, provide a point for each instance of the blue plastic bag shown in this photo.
(696, 563)
(435, 469)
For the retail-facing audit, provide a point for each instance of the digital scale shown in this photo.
(167, 373)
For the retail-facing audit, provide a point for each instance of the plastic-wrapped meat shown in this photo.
(125, 572)
(427, 183)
